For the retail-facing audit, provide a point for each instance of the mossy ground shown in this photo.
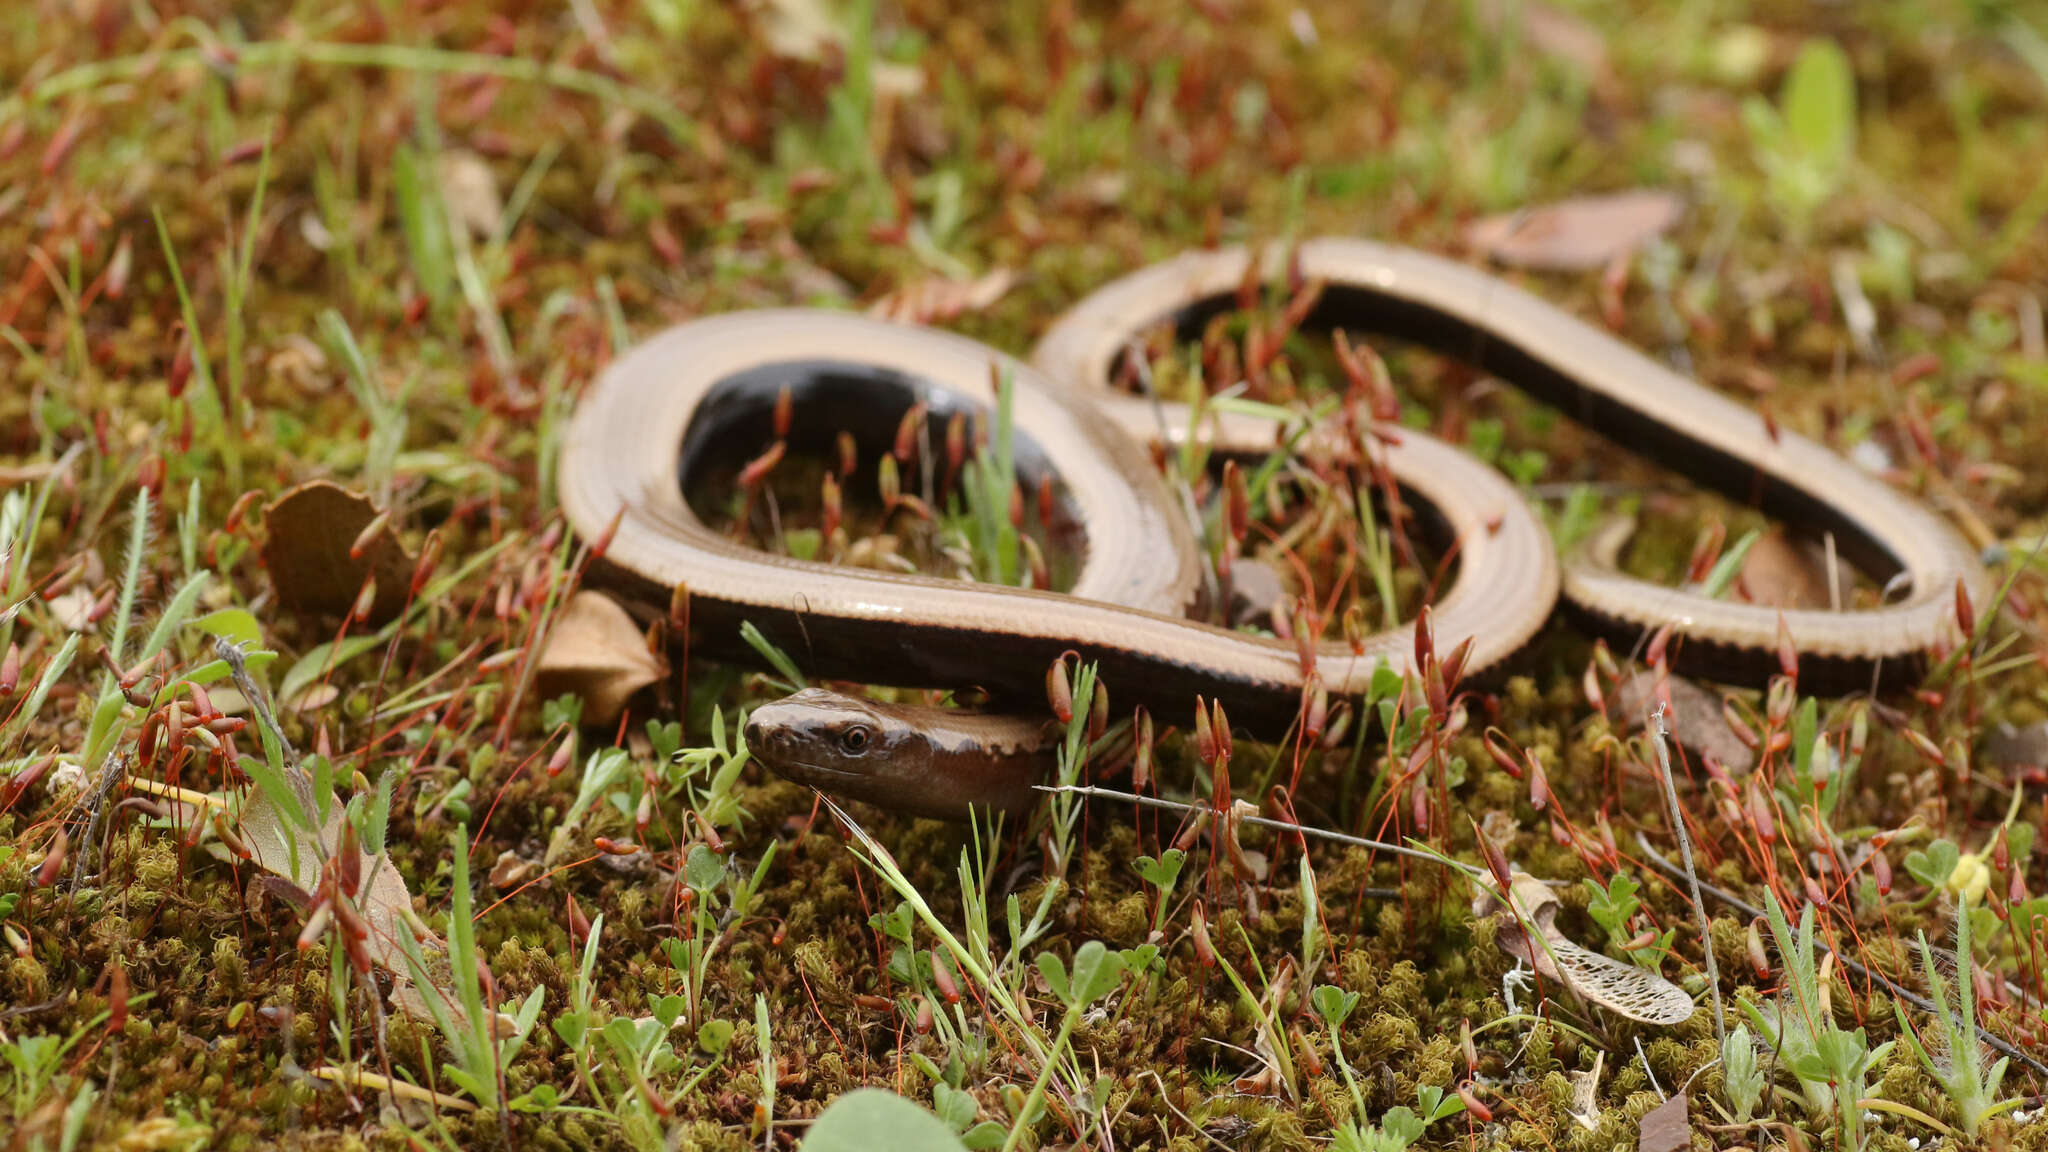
(673, 161)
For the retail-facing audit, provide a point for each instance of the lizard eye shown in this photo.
(854, 741)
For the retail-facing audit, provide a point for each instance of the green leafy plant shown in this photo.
(1614, 907)
(1807, 143)
(867, 1118)
(1096, 973)
(1742, 1083)
(1831, 1064)
(1957, 1064)
(468, 1024)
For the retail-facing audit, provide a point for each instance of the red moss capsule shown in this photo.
(760, 466)
(1966, 614)
(907, 431)
(1474, 1105)
(1045, 499)
(366, 599)
(369, 534)
(1205, 949)
(1141, 760)
(956, 445)
(1098, 712)
(1881, 871)
(834, 508)
(181, 366)
(1237, 502)
(1340, 725)
(10, 670)
(1655, 654)
(942, 977)
(430, 559)
(1315, 711)
(579, 924)
(1219, 726)
(1501, 748)
(316, 926)
(1355, 628)
(679, 609)
(1753, 942)
(849, 454)
(1926, 747)
(348, 861)
(1762, 816)
(785, 412)
(889, 483)
(1059, 692)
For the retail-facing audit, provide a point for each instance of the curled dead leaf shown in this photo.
(1578, 234)
(595, 652)
(511, 870)
(310, 531)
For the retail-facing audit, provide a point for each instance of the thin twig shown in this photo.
(1658, 735)
(1283, 825)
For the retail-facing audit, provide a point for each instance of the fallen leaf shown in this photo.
(1665, 1127)
(284, 849)
(595, 651)
(1779, 573)
(2023, 747)
(73, 608)
(1695, 719)
(310, 530)
(1258, 593)
(1577, 234)
(511, 870)
(936, 299)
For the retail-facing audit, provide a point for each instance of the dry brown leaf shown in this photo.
(1695, 719)
(1577, 234)
(511, 870)
(280, 848)
(1665, 1127)
(595, 652)
(310, 530)
(1778, 572)
(2017, 747)
(935, 300)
